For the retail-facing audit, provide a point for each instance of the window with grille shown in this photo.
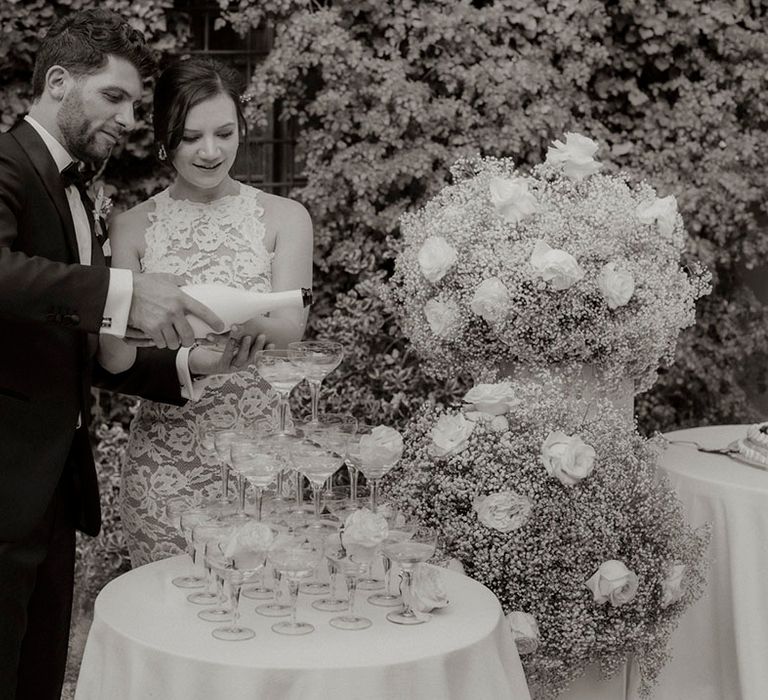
(267, 158)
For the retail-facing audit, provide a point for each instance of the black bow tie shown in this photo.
(74, 175)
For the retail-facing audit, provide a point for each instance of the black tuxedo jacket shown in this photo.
(50, 313)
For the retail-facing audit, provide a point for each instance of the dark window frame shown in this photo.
(275, 147)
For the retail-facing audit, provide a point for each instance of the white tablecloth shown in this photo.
(147, 643)
(721, 646)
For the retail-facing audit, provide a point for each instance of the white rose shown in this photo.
(490, 300)
(364, 528)
(450, 434)
(525, 631)
(568, 458)
(662, 211)
(616, 285)
(248, 537)
(512, 199)
(575, 156)
(441, 316)
(504, 511)
(382, 448)
(427, 589)
(613, 582)
(499, 424)
(672, 586)
(436, 257)
(455, 564)
(555, 266)
(493, 399)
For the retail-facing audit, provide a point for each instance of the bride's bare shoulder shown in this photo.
(283, 209)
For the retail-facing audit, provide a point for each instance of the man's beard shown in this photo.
(75, 129)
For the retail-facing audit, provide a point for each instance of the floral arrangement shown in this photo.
(562, 265)
(564, 517)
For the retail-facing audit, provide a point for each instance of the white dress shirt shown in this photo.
(120, 290)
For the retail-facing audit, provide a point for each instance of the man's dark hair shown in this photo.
(82, 41)
(185, 84)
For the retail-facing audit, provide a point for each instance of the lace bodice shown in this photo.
(221, 241)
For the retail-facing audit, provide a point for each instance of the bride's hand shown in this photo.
(237, 354)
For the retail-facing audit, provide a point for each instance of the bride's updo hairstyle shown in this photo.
(183, 85)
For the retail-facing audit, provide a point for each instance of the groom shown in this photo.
(56, 296)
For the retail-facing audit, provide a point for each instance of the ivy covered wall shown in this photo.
(388, 94)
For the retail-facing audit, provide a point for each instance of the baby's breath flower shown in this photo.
(536, 543)
(568, 307)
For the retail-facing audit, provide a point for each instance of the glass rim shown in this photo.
(272, 352)
(317, 342)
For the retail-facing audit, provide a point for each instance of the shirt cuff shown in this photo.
(191, 389)
(118, 304)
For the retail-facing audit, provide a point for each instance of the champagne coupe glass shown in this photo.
(388, 599)
(173, 509)
(318, 462)
(407, 553)
(263, 428)
(258, 460)
(351, 568)
(317, 531)
(239, 559)
(374, 466)
(336, 501)
(222, 439)
(363, 554)
(282, 370)
(295, 558)
(333, 552)
(334, 431)
(216, 534)
(353, 457)
(202, 533)
(295, 514)
(344, 508)
(206, 433)
(319, 358)
(189, 517)
(274, 608)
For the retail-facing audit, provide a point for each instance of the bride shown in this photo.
(207, 228)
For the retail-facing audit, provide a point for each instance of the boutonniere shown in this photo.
(102, 205)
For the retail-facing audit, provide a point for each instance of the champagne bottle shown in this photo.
(234, 305)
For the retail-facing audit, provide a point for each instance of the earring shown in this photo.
(161, 154)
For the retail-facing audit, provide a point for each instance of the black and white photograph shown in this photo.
(384, 350)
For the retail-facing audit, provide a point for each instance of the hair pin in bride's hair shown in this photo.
(246, 97)
(161, 154)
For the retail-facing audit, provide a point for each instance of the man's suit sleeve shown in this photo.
(35, 288)
(153, 376)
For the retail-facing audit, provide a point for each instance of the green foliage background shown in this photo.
(386, 94)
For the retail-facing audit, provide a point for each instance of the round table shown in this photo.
(146, 642)
(721, 645)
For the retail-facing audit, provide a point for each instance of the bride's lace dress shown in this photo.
(221, 242)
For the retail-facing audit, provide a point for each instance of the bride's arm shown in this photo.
(291, 269)
(126, 239)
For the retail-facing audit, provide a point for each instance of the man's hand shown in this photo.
(236, 355)
(158, 312)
